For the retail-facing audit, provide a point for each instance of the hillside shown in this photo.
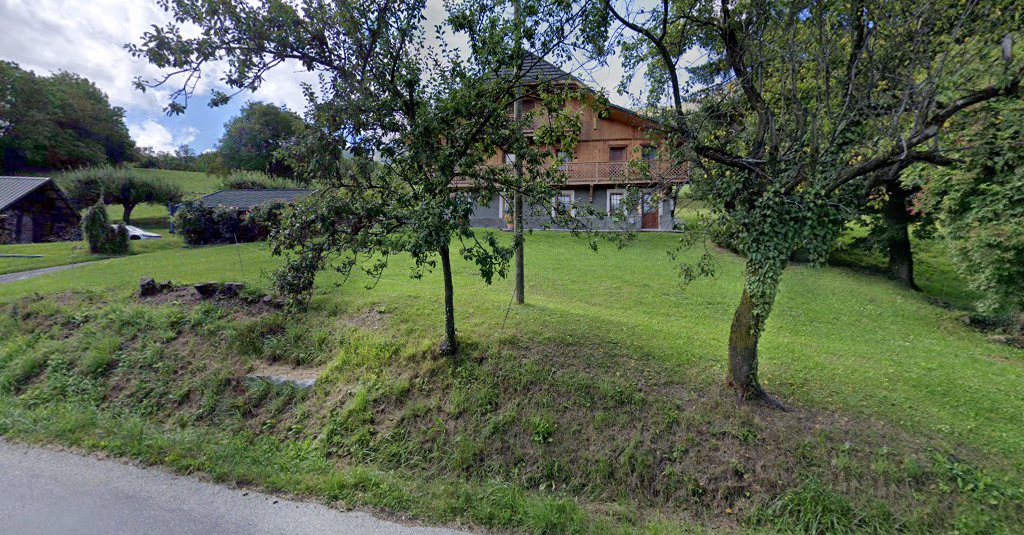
(599, 405)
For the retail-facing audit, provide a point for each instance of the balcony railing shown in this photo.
(625, 172)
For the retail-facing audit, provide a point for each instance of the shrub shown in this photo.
(193, 222)
(202, 225)
(255, 180)
(120, 242)
(101, 236)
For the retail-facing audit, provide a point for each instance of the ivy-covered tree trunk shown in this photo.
(744, 337)
(450, 344)
(897, 234)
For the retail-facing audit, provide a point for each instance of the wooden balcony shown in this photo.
(637, 172)
(625, 172)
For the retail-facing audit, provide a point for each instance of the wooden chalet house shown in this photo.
(599, 172)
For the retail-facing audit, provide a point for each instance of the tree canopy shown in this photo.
(57, 122)
(396, 125)
(113, 185)
(800, 104)
(251, 140)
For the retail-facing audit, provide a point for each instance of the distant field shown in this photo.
(194, 184)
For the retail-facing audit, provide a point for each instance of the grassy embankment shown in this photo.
(599, 406)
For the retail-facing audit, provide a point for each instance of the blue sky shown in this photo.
(87, 37)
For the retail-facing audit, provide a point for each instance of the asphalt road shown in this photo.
(33, 273)
(46, 492)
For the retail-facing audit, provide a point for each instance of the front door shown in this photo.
(649, 218)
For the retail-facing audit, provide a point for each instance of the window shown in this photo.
(564, 158)
(649, 153)
(562, 203)
(616, 154)
(616, 198)
(510, 159)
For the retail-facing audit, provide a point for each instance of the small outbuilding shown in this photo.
(34, 209)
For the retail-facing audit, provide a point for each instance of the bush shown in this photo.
(255, 180)
(202, 225)
(101, 236)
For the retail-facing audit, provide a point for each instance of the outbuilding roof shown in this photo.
(245, 199)
(13, 188)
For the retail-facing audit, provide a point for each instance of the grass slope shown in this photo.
(605, 390)
(63, 253)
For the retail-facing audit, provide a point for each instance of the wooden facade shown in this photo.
(616, 150)
(606, 147)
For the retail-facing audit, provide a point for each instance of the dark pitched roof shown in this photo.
(13, 188)
(538, 70)
(244, 199)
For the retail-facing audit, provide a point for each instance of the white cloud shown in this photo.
(88, 38)
(150, 133)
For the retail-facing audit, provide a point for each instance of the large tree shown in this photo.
(117, 185)
(251, 140)
(57, 122)
(395, 126)
(801, 103)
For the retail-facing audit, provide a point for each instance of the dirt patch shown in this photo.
(283, 373)
(373, 318)
(188, 296)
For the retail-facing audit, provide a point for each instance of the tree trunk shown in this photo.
(897, 235)
(127, 215)
(450, 344)
(517, 204)
(743, 339)
(517, 230)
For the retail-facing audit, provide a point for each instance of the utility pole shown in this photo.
(517, 203)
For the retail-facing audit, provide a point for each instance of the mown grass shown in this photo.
(610, 351)
(194, 184)
(73, 252)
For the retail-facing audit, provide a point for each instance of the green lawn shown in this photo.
(839, 341)
(62, 253)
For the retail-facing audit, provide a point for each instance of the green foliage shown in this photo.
(255, 180)
(58, 121)
(251, 140)
(102, 237)
(814, 508)
(183, 158)
(780, 154)
(94, 227)
(980, 205)
(202, 225)
(117, 185)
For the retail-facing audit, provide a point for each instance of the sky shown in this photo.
(87, 37)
